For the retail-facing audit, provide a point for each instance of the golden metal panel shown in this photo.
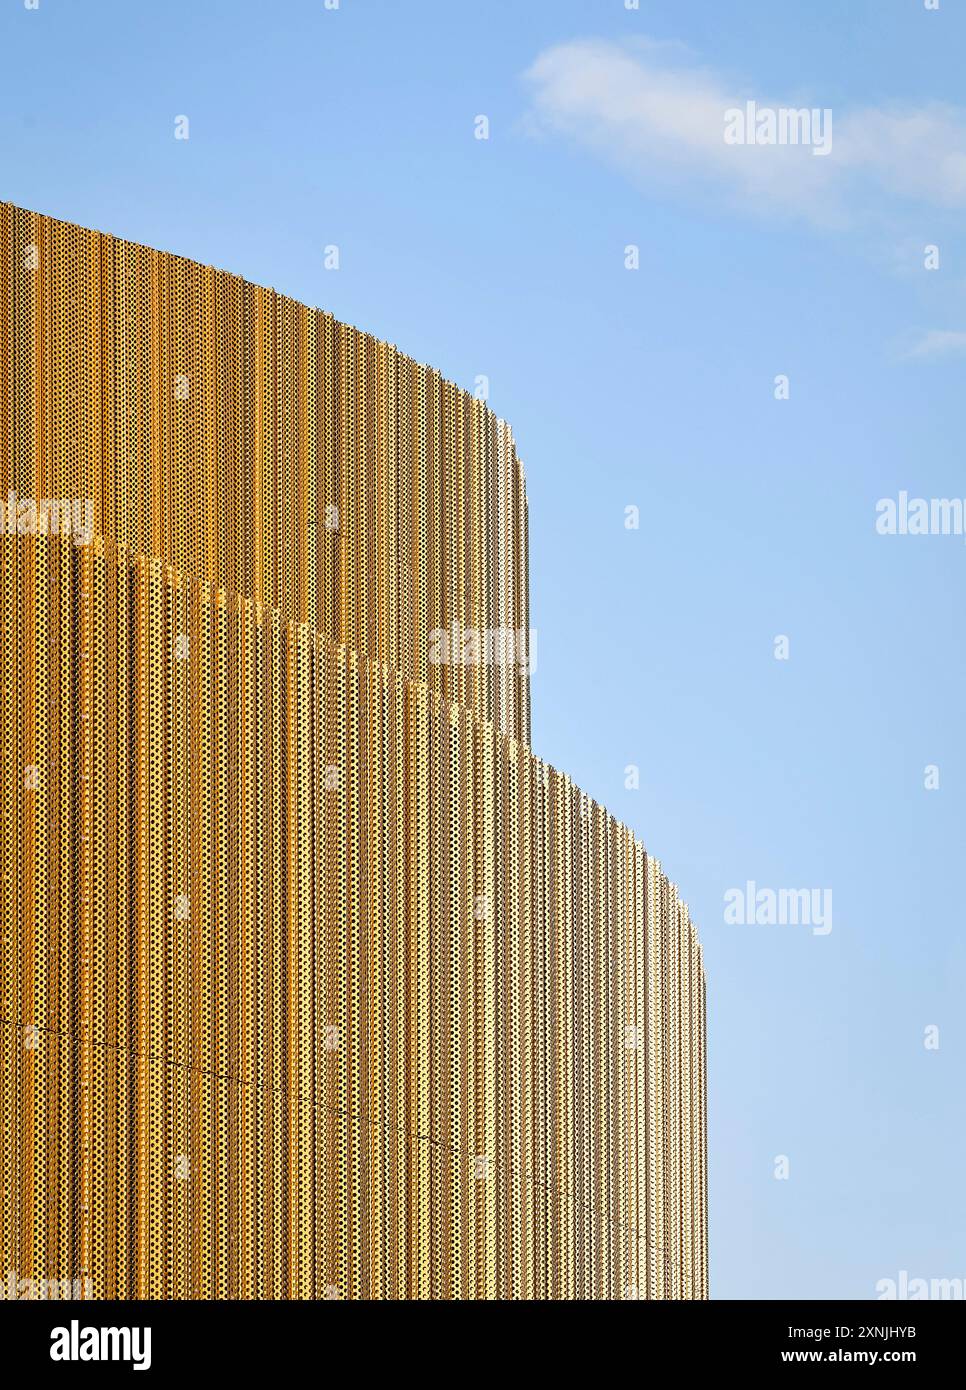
(314, 980)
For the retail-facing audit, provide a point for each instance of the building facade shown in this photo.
(314, 980)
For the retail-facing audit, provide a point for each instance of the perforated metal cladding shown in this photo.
(264, 447)
(313, 982)
(358, 1007)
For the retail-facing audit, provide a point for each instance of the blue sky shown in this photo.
(652, 388)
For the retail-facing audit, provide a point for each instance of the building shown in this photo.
(316, 981)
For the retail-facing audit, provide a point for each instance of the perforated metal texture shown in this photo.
(313, 982)
(264, 447)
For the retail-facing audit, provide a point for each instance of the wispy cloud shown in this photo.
(937, 342)
(645, 109)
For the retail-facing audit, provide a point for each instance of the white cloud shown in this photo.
(644, 109)
(938, 342)
(917, 154)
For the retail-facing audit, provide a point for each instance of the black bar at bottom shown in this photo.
(65, 1339)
